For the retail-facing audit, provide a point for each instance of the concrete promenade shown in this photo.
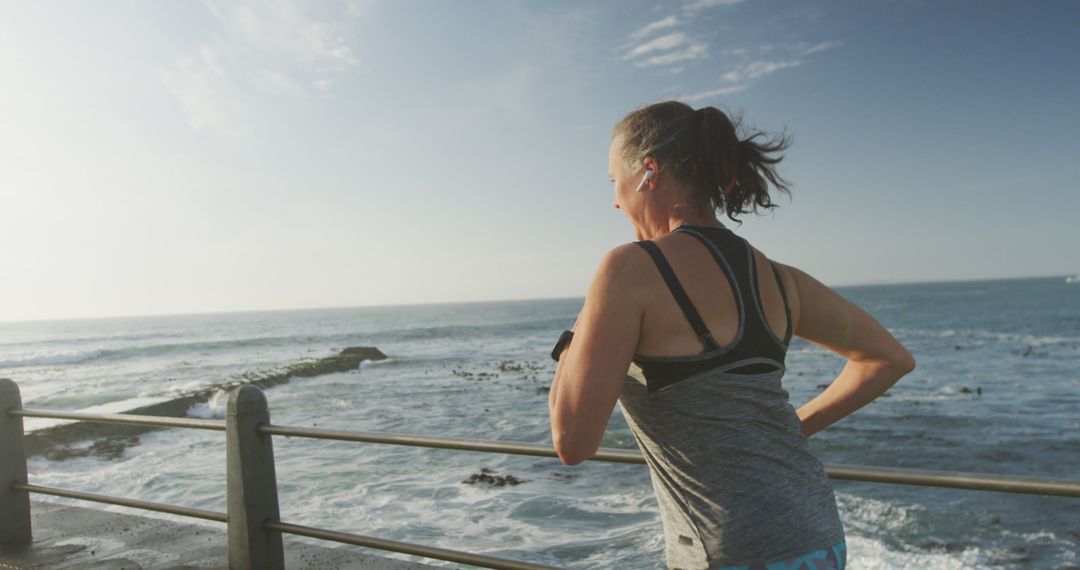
(77, 537)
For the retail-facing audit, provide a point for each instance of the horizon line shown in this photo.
(511, 300)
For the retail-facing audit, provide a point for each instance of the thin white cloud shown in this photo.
(693, 6)
(821, 47)
(662, 43)
(674, 46)
(756, 69)
(648, 29)
(714, 93)
(693, 51)
(743, 76)
(667, 42)
(669, 48)
(205, 90)
(258, 51)
(285, 28)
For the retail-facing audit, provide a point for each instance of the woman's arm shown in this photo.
(876, 360)
(592, 369)
(555, 379)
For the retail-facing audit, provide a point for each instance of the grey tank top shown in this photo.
(733, 476)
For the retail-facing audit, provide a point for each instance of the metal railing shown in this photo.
(253, 521)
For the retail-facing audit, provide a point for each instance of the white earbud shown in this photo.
(648, 175)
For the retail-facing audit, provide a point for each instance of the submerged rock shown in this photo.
(348, 359)
(111, 447)
(487, 476)
(112, 439)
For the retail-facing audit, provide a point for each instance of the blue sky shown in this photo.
(223, 156)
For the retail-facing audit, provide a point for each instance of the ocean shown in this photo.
(997, 390)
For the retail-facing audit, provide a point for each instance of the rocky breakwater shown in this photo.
(109, 440)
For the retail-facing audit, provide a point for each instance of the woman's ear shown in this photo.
(650, 164)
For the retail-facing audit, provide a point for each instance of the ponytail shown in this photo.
(755, 170)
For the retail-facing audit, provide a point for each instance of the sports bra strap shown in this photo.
(680, 294)
(783, 295)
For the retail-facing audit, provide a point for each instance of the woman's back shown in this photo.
(734, 478)
(665, 330)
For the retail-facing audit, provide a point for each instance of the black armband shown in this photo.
(564, 341)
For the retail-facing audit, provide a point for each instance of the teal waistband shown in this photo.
(831, 558)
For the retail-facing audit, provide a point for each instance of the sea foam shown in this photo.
(214, 408)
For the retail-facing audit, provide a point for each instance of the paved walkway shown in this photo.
(77, 537)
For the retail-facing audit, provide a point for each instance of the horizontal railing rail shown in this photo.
(895, 475)
(312, 532)
(124, 502)
(254, 525)
(130, 419)
(846, 472)
(956, 480)
(509, 447)
(405, 547)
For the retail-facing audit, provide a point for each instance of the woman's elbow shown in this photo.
(572, 450)
(896, 368)
(906, 362)
(570, 455)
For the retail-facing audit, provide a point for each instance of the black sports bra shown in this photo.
(754, 340)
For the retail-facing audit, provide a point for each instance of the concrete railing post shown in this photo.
(252, 484)
(14, 505)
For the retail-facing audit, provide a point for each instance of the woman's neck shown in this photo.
(668, 224)
(675, 222)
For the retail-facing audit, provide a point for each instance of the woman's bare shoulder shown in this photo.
(623, 266)
(788, 276)
(828, 319)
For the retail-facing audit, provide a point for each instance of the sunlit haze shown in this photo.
(185, 157)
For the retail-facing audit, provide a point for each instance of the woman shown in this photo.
(702, 321)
